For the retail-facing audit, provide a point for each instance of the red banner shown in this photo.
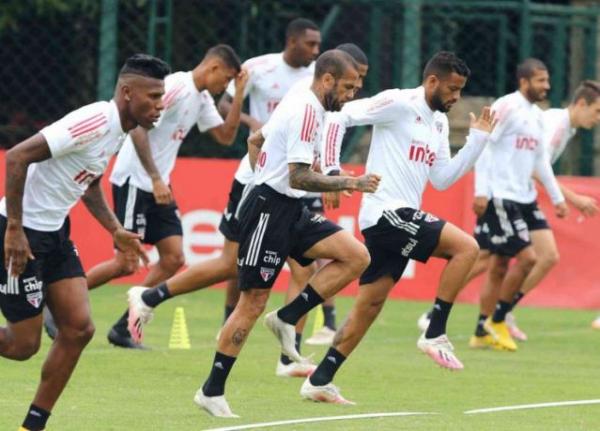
(201, 188)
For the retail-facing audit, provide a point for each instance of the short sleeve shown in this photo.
(379, 109)
(302, 133)
(209, 116)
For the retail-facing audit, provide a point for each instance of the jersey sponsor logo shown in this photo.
(419, 152)
(32, 284)
(271, 257)
(85, 177)
(408, 248)
(526, 143)
(266, 273)
(35, 299)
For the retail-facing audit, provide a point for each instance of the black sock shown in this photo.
(518, 296)
(479, 330)
(215, 384)
(326, 370)
(121, 325)
(156, 295)
(36, 418)
(329, 316)
(228, 310)
(284, 359)
(302, 304)
(439, 317)
(501, 309)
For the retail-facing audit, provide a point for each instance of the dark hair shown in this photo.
(227, 55)
(355, 52)
(588, 91)
(443, 64)
(335, 62)
(527, 68)
(145, 65)
(298, 26)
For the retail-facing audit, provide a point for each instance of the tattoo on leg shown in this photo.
(339, 335)
(239, 336)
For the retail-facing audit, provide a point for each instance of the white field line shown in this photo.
(317, 419)
(532, 406)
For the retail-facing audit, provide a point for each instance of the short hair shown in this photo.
(588, 91)
(298, 26)
(527, 68)
(145, 65)
(355, 52)
(227, 54)
(444, 63)
(335, 62)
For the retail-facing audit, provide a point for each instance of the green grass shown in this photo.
(114, 389)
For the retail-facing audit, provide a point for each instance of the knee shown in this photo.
(26, 350)
(549, 259)
(172, 262)
(470, 249)
(80, 334)
(373, 309)
(359, 260)
(257, 302)
(499, 269)
(527, 262)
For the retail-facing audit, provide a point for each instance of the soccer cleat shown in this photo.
(118, 339)
(500, 333)
(484, 342)
(323, 394)
(295, 369)
(596, 323)
(49, 324)
(139, 313)
(514, 330)
(440, 350)
(286, 334)
(323, 337)
(215, 406)
(423, 321)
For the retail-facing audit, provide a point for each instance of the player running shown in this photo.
(46, 176)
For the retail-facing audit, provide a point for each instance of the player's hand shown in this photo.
(241, 80)
(331, 200)
(485, 122)
(16, 251)
(162, 192)
(367, 183)
(480, 204)
(561, 210)
(587, 205)
(129, 242)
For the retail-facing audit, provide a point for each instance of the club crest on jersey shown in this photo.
(266, 273)
(35, 298)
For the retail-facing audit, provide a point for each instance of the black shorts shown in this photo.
(56, 258)
(229, 225)
(314, 204)
(138, 212)
(400, 235)
(272, 227)
(510, 223)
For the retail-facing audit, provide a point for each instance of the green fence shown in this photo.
(60, 54)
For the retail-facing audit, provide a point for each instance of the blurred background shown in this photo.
(57, 55)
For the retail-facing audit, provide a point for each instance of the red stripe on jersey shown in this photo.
(332, 143)
(84, 123)
(169, 98)
(328, 145)
(310, 125)
(91, 127)
(305, 122)
(80, 175)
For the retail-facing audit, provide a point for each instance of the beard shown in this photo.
(331, 102)
(536, 96)
(438, 104)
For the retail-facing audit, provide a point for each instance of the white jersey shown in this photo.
(409, 147)
(515, 152)
(557, 132)
(270, 79)
(184, 107)
(294, 131)
(81, 144)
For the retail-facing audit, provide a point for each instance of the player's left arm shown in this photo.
(126, 241)
(225, 133)
(543, 171)
(587, 205)
(446, 170)
(255, 143)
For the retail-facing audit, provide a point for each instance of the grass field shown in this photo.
(114, 389)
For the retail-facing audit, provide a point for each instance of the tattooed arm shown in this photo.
(302, 177)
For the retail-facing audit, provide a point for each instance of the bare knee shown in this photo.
(469, 250)
(358, 260)
(79, 334)
(499, 269)
(255, 302)
(172, 262)
(527, 261)
(549, 259)
(21, 350)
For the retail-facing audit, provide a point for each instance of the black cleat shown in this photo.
(119, 339)
(49, 324)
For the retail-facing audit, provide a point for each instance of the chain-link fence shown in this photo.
(57, 55)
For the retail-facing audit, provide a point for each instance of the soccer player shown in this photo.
(275, 224)
(504, 177)
(409, 147)
(142, 196)
(46, 175)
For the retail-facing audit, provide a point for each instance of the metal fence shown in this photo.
(57, 55)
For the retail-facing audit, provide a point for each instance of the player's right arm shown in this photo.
(255, 143)
(141, 143)
(302, 177)
(18, 159)
(225, 103)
